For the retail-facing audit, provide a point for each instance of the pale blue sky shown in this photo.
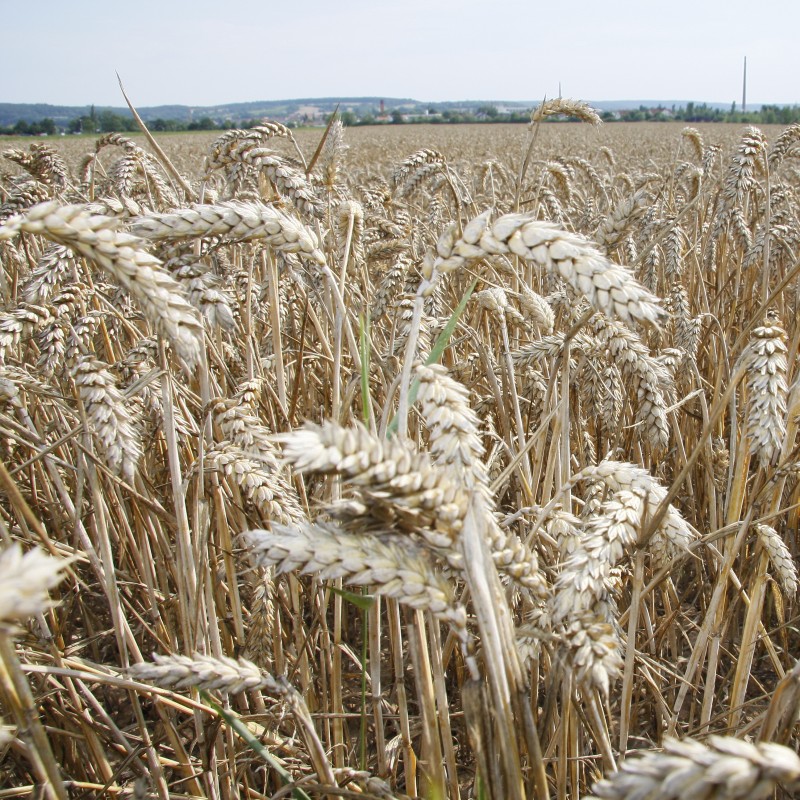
(206, 53)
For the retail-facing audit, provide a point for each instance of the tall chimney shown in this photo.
(744, 87)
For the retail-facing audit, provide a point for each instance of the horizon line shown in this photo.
(346, 98)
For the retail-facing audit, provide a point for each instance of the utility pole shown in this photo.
(744, 87)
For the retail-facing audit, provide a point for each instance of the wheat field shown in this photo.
(411, 461)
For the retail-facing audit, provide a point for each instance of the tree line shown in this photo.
(702, 112)
(108, 121)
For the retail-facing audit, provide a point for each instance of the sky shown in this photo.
(211, 53)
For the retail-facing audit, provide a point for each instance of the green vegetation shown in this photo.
(702, 112)
(368, 113)
(21, 128)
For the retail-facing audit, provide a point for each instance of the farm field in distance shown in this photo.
(381, 146)
(442, 461)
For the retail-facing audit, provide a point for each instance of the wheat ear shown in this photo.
(108, 415)
(610, 288)
(568, 107)
(209, 673)
(445, 407)
(396, 567)
(723, 769)
(230, 675)
(765, 361)
(386, 471)
(233, 220)
(25, 581)
(120, 254)
(455, 441)
(674, 534)
(780, 557)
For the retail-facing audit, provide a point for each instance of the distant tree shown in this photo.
(87, 125)
(769, 115)
(633, 115)
(489, 111)
(348, 119)
(109, 122)
(22, 128)
(202, 124)
(397, 116)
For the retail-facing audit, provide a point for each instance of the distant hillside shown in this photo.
(304, 110)
(10, 113)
